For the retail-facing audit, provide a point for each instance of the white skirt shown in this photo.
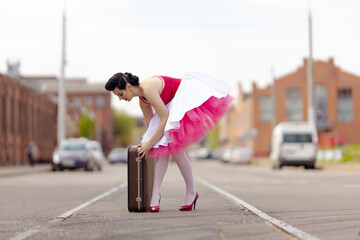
(199, 103)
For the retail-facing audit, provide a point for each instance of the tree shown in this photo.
(213, 138)
(124, 126)
(86, 125)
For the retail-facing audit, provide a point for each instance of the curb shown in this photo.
(22, 170)
(333, 167)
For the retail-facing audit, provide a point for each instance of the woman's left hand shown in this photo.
(143, 149)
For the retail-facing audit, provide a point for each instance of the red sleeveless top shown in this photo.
(170, 86)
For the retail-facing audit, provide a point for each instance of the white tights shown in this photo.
(184, 165)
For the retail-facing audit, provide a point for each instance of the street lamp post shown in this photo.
(61, 90)
(310, 77)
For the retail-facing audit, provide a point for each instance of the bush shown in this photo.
(351, 153)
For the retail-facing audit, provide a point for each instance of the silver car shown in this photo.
(98, 153)
(74, 153)
(118, 155)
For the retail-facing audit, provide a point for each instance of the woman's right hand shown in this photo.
(143, 149)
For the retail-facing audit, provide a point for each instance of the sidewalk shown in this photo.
(344, 167)
(7, 171)
(327, 166)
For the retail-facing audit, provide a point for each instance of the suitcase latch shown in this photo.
(138, 199)
(138, 159)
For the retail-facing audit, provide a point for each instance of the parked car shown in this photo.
(118, 155)
(241, 155)
(217, 153)
(73, 153)
(226, 155)
(98, 154)
(200, 153)
(236, 155)
(294, 143)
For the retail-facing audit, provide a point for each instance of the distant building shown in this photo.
(336, 99)
(26, 115)
(82, 95)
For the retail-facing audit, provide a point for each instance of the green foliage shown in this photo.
(124, 128)
(346, 157)
(351, 153)
(213, 138)
(86, 125)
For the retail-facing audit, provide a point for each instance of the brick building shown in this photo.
(81, 96)
(25, 115)
(336, 99)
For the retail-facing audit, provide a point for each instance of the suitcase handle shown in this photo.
(138, 199)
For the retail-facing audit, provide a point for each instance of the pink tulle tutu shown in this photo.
(196, 108)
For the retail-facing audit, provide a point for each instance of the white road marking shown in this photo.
(84, 205)
(68, 214)
(26, 234)
(282, 225)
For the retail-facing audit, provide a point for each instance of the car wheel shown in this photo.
(310, 166)
(277, 165)
(88, 167)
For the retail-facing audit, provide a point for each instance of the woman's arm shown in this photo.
(152, 94)
(147, 112)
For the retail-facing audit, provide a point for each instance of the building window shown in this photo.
(2, 116)
(17, 117)
(294, 105)
(266, 111)
(10, 115)
(345, 108)
(89, 101)
(100, 102)
(76, 102)
(320, 95)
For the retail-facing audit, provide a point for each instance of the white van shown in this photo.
(294, 143)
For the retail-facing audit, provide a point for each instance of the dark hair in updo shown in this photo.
(120, 79)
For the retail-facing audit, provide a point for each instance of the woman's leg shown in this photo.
(161, 165)
(184, 165)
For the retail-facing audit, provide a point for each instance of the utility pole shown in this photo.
(61, 89)
(310, 77)
(273, 97)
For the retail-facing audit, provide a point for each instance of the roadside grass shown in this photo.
(350, 153)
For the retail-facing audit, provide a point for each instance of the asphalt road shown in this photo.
(311, 204)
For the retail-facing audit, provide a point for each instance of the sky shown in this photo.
(239, 41)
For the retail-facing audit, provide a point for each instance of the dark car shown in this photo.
(73, 153)
(118, 155)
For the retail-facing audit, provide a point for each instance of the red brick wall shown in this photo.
(103, 116)
(25, 115)
(324, 72)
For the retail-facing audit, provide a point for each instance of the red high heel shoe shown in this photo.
(156, 208)
(189, 207)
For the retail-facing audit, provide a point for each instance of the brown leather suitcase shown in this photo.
(140, 181)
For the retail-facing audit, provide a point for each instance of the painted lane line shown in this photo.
(69, 213)
(282, 225)
(84, 205)
(27, 233)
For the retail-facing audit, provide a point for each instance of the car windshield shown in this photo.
(72, 146)
(297, 138)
